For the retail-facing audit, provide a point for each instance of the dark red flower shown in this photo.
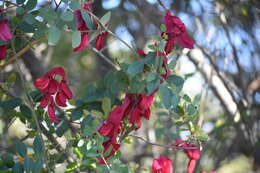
(193, 154)
(162, 165)
(51, 113)
(176, 32)
(3, 51)
(141, 52)
(5, 33)
(81, 26)
(100, 41)
(109, 146)
(53, 90)
(83, 43)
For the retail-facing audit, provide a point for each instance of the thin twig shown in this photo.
(172, 147)
(111, 33)
(20, 53)
(160, 2)
(106, 58)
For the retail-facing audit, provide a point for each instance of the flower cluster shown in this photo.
(5, 35)
(134, 108)
(82, 27)
(176, 33)
(162, 165)
(192, 154)
(54, 91)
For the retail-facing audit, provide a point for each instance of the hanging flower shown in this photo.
(5, 33)
(3, 51)
(54, 91)
(193, 154)
(162, 165)
(100, 41)
(82, 27)
(176, 33)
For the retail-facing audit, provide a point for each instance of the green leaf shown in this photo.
(20, 2)
(176, 81)
(11, 103)
(172, 65)
(87, 19)
(37, 166)
(74, 5)
(76, 38)
(29, 18)
(53, 36)
(151, 86)
(48, 14)
(80, 143)
(67, 16)
(76, 114)
(135, 68)
(150, 59)
(38, 146)
(175, 100)
(26, 111)
(151, 76)
(28, 164)
(186, 98)
(106, 105)
(18, 168)
(161, 46)
(31, 4)
(196, 100)
(191, 109)
(21, 149)
(201, 135)
(62, 127)
(20, 10)
(166, 96)
(26, 27)
(152, 47)
(163, 27)
(105, 19)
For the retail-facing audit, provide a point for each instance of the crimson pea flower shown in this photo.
(193, 154)
(53, 91)
(81, 26)
(5, 33)
(162, 165)
(176, 32)
(3, 51)
(100, 41)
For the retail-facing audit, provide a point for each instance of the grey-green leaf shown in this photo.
(53, 36)
(105, 19)
(21, 149)
(38, 146)
(135, 68)
(67, 16)
(76, 38)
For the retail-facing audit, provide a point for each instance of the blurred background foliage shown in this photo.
(224, 67)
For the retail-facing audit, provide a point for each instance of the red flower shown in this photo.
(193, 154)
(100, 41)
(53, 90)
(83, 43)
(81, 26)
(3, 52)
(141, 52)
(162, 165)
(5, 33)
(175, 30)
(113, 147)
